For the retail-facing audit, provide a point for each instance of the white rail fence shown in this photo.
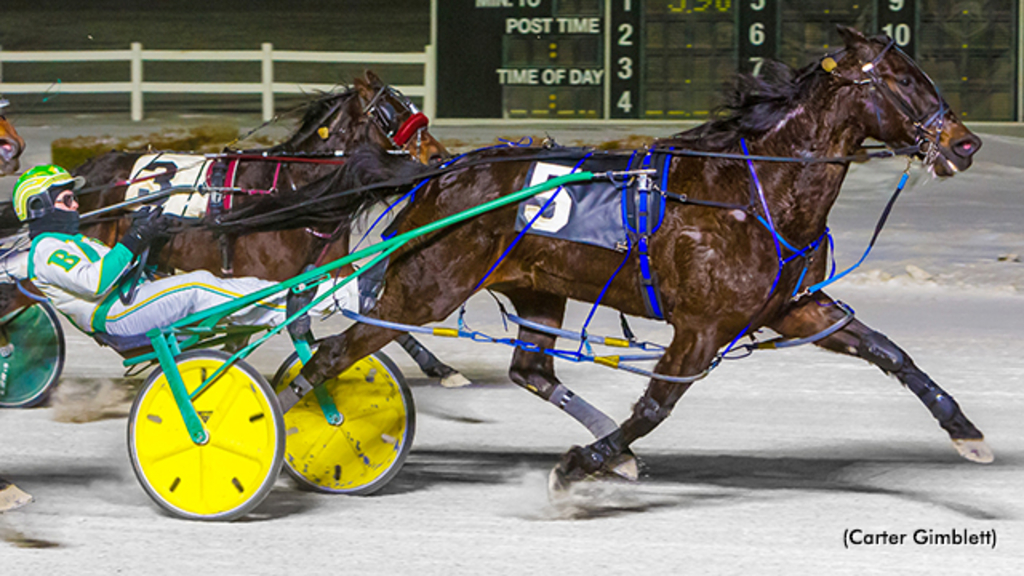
(267, 87)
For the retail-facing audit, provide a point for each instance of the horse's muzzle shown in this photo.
(956, 152)
(9, 153)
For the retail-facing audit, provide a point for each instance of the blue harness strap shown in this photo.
(645, 222)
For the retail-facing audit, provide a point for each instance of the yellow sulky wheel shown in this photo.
(236, 468)
(367, 449)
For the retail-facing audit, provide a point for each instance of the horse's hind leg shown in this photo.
(535, 371)
(371, 282)
(430, 364)
(816, 313)
(415, 295)
(688, 354)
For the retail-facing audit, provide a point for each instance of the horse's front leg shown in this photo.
(815, 313)
(689, 355)
(535, 371)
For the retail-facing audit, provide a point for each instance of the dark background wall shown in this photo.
(341, 25)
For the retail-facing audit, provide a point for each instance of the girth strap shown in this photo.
(645, 221)
(222, 174)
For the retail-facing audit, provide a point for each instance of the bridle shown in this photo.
(385, 116)
(928, 126)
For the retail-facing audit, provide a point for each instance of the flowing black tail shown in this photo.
(370, 174)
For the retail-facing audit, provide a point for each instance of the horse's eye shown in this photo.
(904, 81)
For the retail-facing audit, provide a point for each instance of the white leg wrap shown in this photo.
(599, 423)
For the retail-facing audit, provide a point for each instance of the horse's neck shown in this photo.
(344, 141)
(313, 144)
(800, 196)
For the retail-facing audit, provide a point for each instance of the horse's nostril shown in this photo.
(966, 146)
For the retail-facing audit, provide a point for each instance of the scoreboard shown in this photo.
(669, 59)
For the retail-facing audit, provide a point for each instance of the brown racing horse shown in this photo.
(11, 147)
(721, 272)
(370, 112)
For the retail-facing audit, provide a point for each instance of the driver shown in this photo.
(82, 277)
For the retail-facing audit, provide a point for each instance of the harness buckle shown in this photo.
(643, 182)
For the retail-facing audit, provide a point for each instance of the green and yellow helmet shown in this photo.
(32, 193)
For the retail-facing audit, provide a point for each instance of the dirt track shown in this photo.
(761, 470)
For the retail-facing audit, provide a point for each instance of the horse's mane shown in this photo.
(316, 112)
(752, 105)
(327, 201)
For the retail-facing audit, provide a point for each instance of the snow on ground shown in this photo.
(762, 469)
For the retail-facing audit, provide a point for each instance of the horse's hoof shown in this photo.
(558, 485)
(974, 449)
(455, 380)
(625, 466)
(570, 471)
(566, 473)
(12, 497)
(561, 481)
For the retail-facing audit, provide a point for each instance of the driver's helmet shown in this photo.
(37, 188)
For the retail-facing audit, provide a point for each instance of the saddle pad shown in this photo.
(171, 170)
(588, 213)
(600, 213)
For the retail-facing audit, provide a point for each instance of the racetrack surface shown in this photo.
(762, 469)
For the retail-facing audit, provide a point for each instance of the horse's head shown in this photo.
(400, 123)
(11, 145)
(902, 105)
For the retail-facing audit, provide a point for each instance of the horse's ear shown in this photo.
(363, 87)
(373, 79)
(851, 37)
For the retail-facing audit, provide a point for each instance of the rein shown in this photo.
(547, 154)
(905, 151)
(285, 158)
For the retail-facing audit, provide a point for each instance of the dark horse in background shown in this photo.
(719, 270)
(11, 145)
(370, 112)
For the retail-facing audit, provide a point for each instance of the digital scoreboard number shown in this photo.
(625, 49)
(669, 59)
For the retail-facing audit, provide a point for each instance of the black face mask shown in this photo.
(59, 221)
